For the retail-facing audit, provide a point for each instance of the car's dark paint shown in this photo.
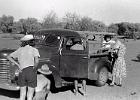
(69, 63)
(80, 64)
(59, 32)
(74, 64)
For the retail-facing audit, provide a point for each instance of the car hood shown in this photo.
(47, 52)
(5, 52)
(44, 52)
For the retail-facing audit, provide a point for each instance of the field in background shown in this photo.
(10, 41)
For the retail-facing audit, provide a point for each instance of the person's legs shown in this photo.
(113, 80)
(120, 81)
(22, 84)
(22, 93)
(48, 85)
(31, 78)
(30, 93)
(76, 86)
(41, 95)
(84, 86)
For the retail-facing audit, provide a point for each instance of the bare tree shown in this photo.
(51, 21)
(72, 21)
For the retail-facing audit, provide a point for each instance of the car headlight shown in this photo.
(16, 72)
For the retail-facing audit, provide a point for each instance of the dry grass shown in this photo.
(8, 42)
(11, 36)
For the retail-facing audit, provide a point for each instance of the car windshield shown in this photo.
(47, 40)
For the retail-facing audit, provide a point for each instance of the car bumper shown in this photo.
(9, 86)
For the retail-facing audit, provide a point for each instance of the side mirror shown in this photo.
(58, 37)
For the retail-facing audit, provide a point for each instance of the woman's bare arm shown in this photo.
(36, 61)
(13, 61)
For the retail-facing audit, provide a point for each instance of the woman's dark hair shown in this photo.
(107, 36)
(23, 43)
(30, 42)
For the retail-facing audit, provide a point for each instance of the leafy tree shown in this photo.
(127, 29)
(6, 23)
(123, 28)
(27, 25)
(98, 26)
(113, 28)
(137, 27)
(86, 24)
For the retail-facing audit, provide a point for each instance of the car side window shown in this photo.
(74, 44)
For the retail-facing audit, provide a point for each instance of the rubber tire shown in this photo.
(102, 77)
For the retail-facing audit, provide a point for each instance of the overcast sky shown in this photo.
(108, 11)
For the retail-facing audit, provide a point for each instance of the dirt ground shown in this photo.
(129, 91)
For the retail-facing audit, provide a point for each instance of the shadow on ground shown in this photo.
(70, 86)
(135, 60)
(9, 93)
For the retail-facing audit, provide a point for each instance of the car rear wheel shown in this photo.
(102, 77)
(40, 95)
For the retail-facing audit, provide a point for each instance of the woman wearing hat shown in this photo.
(27, 57)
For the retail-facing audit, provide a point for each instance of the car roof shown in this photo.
(96, 33)
(59, 32)
(71, 33)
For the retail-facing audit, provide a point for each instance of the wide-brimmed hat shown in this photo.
(45, 69)
(27, 37)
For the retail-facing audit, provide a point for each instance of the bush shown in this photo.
(138, 57)
(12, 36)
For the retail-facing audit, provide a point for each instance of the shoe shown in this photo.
(83, 92)
(111, 85)
(120, 85)
(75, 92)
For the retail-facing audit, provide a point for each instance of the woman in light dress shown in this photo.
(119, 69)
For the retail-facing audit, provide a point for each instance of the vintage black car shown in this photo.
(90, 63)
(54, 46)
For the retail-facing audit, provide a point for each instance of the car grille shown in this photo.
(4, 70)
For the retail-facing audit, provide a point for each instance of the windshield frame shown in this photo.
(41, 40)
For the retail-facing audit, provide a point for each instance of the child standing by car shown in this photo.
(27, 57)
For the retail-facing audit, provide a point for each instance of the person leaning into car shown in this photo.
(27, 57)
(108, 41)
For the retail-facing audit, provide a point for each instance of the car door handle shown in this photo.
(85, 57)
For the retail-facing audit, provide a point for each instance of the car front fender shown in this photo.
(95, 65)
